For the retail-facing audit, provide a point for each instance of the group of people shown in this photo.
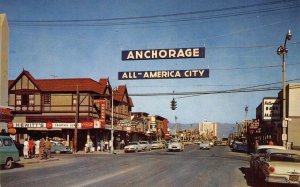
(37, 149)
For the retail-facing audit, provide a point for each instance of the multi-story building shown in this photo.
(293, 114)
(55, 107)
(269, 114)
(158, 127)
(208, 130)
(5, 112)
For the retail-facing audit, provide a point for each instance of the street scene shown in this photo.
(193, 167)
(150, 93)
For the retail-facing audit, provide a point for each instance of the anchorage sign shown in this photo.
(153, 54)
(164, 74)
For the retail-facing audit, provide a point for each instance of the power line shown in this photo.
(256, 88)
(160, 18)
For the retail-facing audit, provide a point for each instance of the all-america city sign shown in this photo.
(154, 54)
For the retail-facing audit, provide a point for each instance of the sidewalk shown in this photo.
(24, 161)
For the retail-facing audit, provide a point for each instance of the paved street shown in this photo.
(193, 167)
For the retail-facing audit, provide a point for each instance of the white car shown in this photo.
(133, 147)
(146, 146)
(156, 145)
(175, 146)
(260, 153)
(280, 166)
(204, 145)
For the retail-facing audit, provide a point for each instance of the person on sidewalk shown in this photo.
(42, 148)
(37, 148)
(26, 148)
(31, 145)
(48, 148)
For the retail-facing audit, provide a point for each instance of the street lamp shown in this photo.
(112, 122)
(283, 50)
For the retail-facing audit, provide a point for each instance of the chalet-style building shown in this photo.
(50, 107)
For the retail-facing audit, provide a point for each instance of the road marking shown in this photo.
(99, 179)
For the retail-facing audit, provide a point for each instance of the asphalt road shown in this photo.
(193, 167)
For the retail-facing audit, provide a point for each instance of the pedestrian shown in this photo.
(42, 148)
(106, 145)
(26, 148)
(31, 146)
(48, 148)
(102, 145)
(110, 145)
(37, 148)
(122, 144)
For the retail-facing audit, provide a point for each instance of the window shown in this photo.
(7, 142)
(18, 99)
(47, 99)
(25, 100)
(31, 99)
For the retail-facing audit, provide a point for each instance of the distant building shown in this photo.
(208, 130)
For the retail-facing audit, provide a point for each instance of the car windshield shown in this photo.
(143, 142)
(285, 157)
(133, 143)
(155, 142)
(262, 151)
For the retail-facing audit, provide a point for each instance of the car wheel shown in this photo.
(9, 163)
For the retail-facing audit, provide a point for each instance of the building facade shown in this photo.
(57, 107)
(208, 130)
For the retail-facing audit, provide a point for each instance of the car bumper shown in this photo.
(282, 179)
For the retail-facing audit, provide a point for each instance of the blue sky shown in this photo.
(68, 39)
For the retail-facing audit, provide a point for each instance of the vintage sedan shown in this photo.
(175, 145)
(157, 145)
(260, 153)
(146, 146)
(280, 166)
(59, 148)
(204, 145)
(133, 147)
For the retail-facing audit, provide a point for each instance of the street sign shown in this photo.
(153, 54)
(164, 74)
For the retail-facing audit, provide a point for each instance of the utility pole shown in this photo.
(112, 123)
(76, 120)
(283, 50)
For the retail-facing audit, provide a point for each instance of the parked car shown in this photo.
(58, 148)
(9, 153)
(133, 147)
(204, 145)
(280, 166)
(240, 147)
(175, 145)
(260, 153)
(156, 145)
(146, 146)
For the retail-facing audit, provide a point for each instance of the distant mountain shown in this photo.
(224, 129)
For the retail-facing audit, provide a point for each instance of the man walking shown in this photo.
(48, 148)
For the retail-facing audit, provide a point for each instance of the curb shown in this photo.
(25, 162)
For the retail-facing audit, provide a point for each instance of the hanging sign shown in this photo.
(164, 74)
(153, 54)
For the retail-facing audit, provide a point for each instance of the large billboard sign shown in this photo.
(153, 54)
(164, 74)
